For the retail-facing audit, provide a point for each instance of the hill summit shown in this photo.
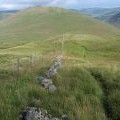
(42, 22)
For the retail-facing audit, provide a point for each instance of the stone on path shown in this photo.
(45, 81)
(33, 113)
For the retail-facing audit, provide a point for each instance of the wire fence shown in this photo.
(25, 65)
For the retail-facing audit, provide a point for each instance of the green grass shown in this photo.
(80, 94)
(110, 81)
(86, 85)
(74, 96)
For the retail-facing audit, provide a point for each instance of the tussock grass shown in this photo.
(110, 82)
(78, 95)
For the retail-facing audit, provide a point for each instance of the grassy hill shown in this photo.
(89, 76)
(40, 23)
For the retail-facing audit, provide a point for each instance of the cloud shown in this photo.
(63, 3)
(20, 4)
(9, 6)
(78, 4)
(54, 2)
(71, 1)
(14, 6)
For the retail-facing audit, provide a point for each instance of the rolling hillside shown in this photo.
(88, 81)
(40, 23)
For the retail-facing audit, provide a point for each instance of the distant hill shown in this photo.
(4, 14)
(95, 12)
(101, 13)
(105, 14)
(115, 20)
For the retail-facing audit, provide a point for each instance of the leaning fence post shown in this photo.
(12, 69)
(62, 44)
(18, 67)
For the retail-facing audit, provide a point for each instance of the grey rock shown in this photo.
(46, 82)
(54, 119)
(34, 113)
(64, 117)
(52, 88)
(51, 73)
(54, 68)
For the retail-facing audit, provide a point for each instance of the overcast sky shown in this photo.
(75, 4)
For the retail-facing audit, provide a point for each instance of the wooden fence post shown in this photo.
(32, 61)
(42, 59)
(62, 44)
(18, 68)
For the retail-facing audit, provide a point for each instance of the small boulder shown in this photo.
(64, 117)
(31, 114)
(46, 82)
(52, 88)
